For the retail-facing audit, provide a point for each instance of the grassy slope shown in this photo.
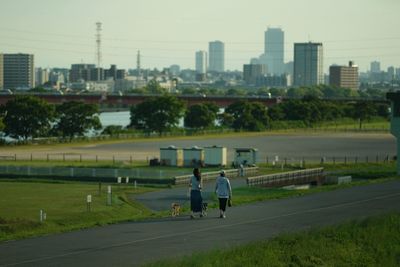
(65, 206)
(372, 242)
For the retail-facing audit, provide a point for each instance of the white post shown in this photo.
(88, 202)
(135, 184)
(127, 179)
(109, 195)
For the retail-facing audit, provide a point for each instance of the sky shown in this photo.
(62, 32)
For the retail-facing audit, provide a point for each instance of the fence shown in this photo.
(232, 173)
(143, 175)
(302, 161)
(286, 178)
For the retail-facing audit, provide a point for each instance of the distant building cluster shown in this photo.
(18, 72)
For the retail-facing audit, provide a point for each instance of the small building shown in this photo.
(215, 156)
(171, 156)
(193, 156)
(245, 156)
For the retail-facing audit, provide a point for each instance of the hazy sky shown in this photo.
(62, 32)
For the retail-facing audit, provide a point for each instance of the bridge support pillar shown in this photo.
(394, 97)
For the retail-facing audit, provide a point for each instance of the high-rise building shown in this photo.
(308, 64)
(274, 51)
(251, 72)
(1, 72)
(41, 76)
(201, 65)
(81, 72)
(201, 62)
(344, 76)
(18, 71)
(375, 67)
(216, 51)
(174, 70)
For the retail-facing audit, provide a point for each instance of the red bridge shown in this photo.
(125, 101)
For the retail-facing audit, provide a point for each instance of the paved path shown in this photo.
(161, 200)
(131, 244)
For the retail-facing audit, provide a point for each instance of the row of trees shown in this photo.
(321, 91)
(161, 114)
(30, 117)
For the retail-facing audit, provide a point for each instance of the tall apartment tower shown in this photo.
(274, 51)
(344, 76)
(375, 67)
(18, 71)
(308, 64)
(1, 72)
(201, 65)
(216, 51)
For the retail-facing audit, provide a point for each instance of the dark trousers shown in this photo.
(222, 203)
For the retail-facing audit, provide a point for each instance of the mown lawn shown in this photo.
(65, 207)
(371, 242)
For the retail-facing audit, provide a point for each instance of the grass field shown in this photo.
(371, 242)
(65, 206)
(65, 203)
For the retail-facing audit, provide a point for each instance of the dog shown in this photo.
(175, 209)
(204, 207)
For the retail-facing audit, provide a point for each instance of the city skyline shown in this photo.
(60, 34)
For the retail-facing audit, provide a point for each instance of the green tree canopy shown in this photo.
(363, 110)
(201, 116)
(157, 114)
(153, 87)
(27, 117)
(251, 116)
(76, 118)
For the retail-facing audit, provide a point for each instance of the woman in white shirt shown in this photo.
(224, 192)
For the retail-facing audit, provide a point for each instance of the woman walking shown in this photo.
(195, 185)
(224, 192)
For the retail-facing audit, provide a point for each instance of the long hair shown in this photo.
(196, 173)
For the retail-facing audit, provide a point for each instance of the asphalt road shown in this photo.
(134, 243)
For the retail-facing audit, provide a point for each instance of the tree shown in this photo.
(153, 87)
(363, 110)
(201, 116)
(27, 117)
(157, 114)
(76, 118)
(248, 116)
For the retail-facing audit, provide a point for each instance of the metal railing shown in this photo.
(207, 176)
(285, 177)
(88, 174)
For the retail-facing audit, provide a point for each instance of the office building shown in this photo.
(308, 64)
(274, 51)
(375, 67)
(216, 51)
(201, 65)
(344, 76)
(81, 72)
(41, 76)
(18, 71)
(251, 72)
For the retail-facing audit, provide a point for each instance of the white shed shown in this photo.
(215, 156)
(245, 156)
(171, 156)
(193, 156)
